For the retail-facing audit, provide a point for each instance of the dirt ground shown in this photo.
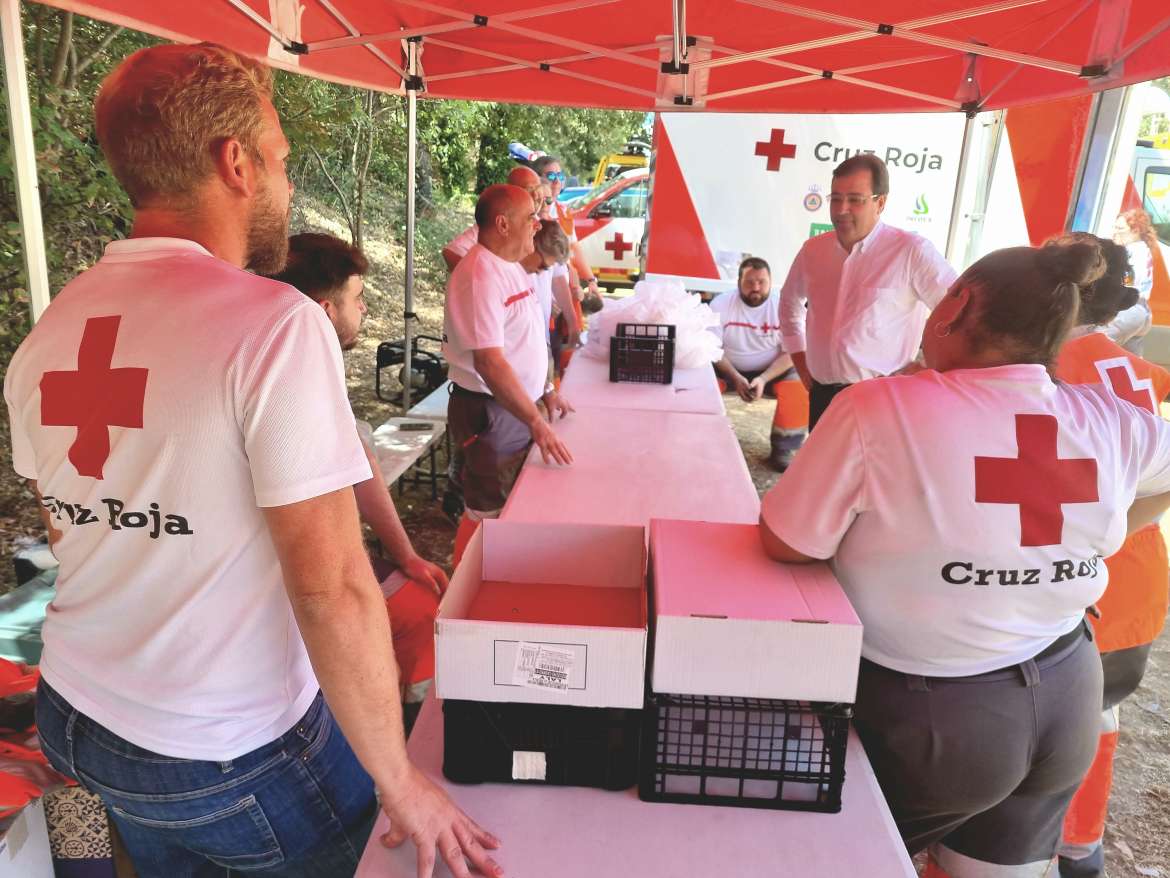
(1138, 837)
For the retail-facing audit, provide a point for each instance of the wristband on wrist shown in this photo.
(549, 388)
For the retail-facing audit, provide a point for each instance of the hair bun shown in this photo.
(1080, 263)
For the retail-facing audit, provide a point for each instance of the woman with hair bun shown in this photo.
(965, 510)
(1132, 610)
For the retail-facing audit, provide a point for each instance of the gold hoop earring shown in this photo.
(938, 334)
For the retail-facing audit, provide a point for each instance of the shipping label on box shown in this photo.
(546, 614)
(731, 621)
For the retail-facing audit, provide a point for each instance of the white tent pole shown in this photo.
(412, 86)
(28, 199)
(960, 184)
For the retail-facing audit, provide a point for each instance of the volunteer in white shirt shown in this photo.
(754, 361)
(1133, 230)
(497, 354)
(522, 176)
(868, 288)
(331, 272)
(212, 568)
(966, 510)
(549, 273)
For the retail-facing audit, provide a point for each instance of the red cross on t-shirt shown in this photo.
(618, 246)
(95, 397)
(1121, 380)
(1037, 480)
(776, 149)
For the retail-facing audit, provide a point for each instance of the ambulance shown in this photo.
(610, 221)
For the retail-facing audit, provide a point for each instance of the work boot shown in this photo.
(1092, 866)
(782, 453)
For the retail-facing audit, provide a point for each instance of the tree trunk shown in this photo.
(64, 44)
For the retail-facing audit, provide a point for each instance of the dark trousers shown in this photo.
(986, 764)
(819, 397)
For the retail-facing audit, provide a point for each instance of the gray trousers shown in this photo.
(988, 764)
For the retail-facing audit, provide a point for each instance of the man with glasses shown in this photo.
(867, 287)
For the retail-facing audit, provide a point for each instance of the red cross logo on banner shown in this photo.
(95, 397)
(618, 246)
(776, 149)
(1118, 374)
(1038, 481)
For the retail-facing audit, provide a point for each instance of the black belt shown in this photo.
(459, 390)
(1065, 640)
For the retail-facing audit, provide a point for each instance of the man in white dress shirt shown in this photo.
(867, 287)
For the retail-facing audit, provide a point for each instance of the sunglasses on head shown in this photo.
(555, 175)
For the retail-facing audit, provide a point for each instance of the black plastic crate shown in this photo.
(746, 752)
(581, 746)
(642, 353)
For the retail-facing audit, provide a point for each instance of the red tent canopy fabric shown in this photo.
(811, 56)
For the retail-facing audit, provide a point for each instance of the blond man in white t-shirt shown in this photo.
(211, 564)
(497, 355)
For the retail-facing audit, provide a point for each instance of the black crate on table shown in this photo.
(581, 746)
(746, 752)
(642, 353)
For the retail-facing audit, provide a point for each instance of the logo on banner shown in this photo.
(775, 149)
(913, 160)
(813, 200)
(921, 212)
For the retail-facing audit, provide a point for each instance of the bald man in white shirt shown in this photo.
(867, 287)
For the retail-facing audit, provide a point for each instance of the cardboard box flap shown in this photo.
(721, 571)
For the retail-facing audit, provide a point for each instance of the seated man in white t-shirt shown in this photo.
(754, 361)
(330, 272)
(497, 352)
(522, 176)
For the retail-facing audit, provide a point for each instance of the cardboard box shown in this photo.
(731, 621)
(546, 614)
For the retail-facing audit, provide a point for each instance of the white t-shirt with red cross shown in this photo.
(464, 241)
(491, 303)
(967, 512)
(751, 336)
(162, 400)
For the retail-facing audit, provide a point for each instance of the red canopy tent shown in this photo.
(738, 55)
(837, 56)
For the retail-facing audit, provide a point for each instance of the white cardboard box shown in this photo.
(731, 621)
(594, 665)
(24, 848)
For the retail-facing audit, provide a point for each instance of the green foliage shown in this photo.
(579, 138)
(348, 150)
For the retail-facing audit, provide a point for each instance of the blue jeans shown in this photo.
(300, 807)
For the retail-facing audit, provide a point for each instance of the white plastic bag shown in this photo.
(661, 301)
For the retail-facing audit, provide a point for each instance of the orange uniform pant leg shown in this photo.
(412, 612)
